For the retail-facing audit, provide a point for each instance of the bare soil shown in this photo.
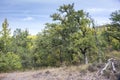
(63, 73)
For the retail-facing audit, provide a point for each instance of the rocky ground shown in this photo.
(83, 72)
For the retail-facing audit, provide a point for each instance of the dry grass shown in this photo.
(114, 54)
(81, 72)
(62, 73)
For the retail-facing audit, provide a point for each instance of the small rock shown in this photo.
(47, 72)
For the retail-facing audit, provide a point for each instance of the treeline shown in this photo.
(71, 39)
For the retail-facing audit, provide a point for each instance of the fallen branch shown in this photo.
(110, 63)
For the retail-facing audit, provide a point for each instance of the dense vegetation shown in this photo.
(71, 39)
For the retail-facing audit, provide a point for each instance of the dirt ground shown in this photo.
(64, 73)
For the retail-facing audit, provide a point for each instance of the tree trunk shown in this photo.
(61, 61)
(71, 58)
(84, 51)
(85, 58)
(100, 60)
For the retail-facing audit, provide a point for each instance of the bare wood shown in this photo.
(109, 63)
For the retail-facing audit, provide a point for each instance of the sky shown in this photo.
(33, 14)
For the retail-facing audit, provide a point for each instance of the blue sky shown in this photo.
(33, 14)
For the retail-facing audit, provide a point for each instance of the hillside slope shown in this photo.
(83, 72)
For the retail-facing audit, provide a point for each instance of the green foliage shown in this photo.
(44, 55)
(115, 17)
(1, 45)
(116, 44)
(71, 34)
(115, 27)
(9, 61)
(5, 36)
(20, 45)
(113, 30)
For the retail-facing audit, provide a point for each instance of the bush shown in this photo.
(9, 61)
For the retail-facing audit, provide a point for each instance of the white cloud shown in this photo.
(95, 9)
(28, 19)
(98, 10)
(101, 20)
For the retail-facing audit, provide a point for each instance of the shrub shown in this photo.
(9, 61)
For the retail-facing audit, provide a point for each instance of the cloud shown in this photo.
(101, 20)
(28, 19)
(95, 9)
(98, 10)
